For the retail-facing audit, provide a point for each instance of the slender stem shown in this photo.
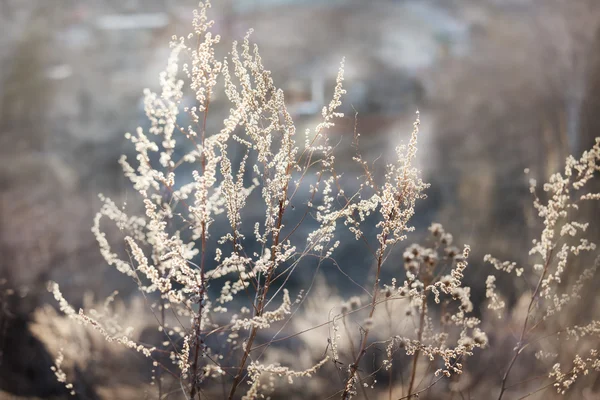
(380, 261)
(198, 321)
(413, 373)
(417, 393)
(159, 367)
(520, 344)
(263, 294)
(363, 342)
(259, 311)
(391, 375)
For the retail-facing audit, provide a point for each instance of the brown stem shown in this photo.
(363, 342)
(198, 322)
(390, 379)
(263, 295)
(413, 373)
(520, 345)
(159, 367)
(380, 259)
(259, 308)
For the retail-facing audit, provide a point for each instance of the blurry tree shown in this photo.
(565, 32)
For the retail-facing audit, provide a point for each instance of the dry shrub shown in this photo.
(229, 321)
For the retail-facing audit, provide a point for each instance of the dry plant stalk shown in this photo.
(561, 243)
(178, 262)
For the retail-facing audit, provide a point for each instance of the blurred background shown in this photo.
(501, 85)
